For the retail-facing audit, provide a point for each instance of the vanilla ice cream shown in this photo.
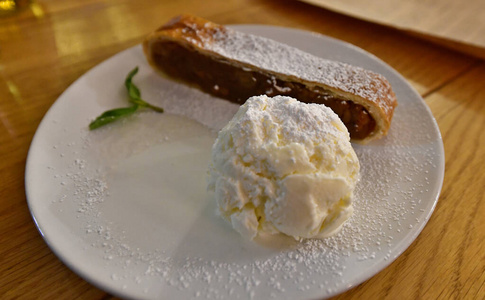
(283, 166)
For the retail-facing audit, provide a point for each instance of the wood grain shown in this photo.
(45, 48)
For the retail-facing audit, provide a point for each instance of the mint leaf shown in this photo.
(134, 95)
(111, 116)
(133, 91)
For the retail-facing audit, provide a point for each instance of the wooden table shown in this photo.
(47, 46)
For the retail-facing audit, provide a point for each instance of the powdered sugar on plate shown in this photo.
(253, 50)
(126, 207)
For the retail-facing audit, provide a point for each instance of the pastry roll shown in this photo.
(235, 66)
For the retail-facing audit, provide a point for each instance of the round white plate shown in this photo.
(126, 206)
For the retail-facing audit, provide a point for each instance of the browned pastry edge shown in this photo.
(194, 33)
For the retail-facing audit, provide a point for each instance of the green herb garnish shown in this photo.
(117, 113)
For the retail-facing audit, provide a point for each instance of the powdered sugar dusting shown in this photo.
(110, 200)
(386, 210)
(253, 50)
(301, 123)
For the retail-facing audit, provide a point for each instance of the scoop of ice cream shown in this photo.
(283, 166)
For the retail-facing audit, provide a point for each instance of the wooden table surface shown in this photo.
(48, 45)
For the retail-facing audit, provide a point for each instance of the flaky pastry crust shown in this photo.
(282, 62)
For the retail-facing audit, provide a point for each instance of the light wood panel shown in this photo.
(447, 22)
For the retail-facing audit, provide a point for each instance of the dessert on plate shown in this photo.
(235, 66)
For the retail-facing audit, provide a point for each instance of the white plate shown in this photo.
(126, 208)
